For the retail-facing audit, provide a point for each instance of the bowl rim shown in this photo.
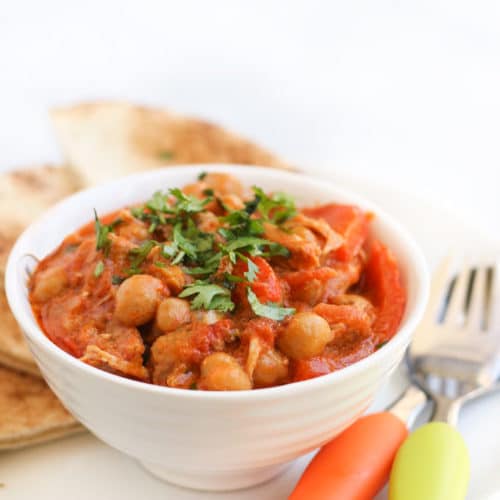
(15, 290)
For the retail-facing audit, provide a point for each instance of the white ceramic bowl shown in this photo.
(210, 440)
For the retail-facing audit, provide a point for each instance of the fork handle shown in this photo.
(446, 410)
(432, 464)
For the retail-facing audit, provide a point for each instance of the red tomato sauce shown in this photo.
(218, 288)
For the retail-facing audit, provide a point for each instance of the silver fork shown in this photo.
(458, 357)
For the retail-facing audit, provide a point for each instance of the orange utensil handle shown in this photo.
(356, 464)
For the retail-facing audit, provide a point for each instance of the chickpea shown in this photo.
(271, 369)
(137, 299)
(49, 283)
(305, 336)
(172, 313)
(222, 372)
(168, 352)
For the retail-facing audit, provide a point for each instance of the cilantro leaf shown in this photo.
(139, 255)
(277, 208)
(241, 224)
(186, 203)
(102, 233)
(99, 268)
(253, 269)
(169, 251)
(158, 202)
(208, 296)
(269, 310)
(254, 246)
(184, 244)
(160, 209)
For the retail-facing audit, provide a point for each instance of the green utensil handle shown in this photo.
(432, 464)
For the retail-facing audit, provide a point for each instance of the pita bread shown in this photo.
(24, 194)
(101, 141)
(104, 140)
(30, 412)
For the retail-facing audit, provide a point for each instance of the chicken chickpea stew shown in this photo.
(220, 287)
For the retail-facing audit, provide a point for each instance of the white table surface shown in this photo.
(403, 92)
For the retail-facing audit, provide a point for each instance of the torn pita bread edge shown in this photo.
(59, 432)
(106, 139)
(33, 190)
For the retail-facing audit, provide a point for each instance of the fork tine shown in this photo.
(439, 285)
(478, 301)
(493, 321)
(455, 312)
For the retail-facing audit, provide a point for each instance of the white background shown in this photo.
(406, 92)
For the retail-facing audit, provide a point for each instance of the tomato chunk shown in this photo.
(310, 368)
(266, 284)
(349, 221)
(382, 283)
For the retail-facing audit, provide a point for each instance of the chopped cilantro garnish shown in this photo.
(187, 204)
(202, 175)
(277, 208)
(208, 296)
(99, 268)
(269, 310)
(241, 224)
(382, 344)
(184, 244)
(202, 254)
(161, 209)
(102, 233)
(139, 255)
(253, 269)
(157, 203)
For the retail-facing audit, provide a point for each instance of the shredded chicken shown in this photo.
(254, 349)
(330, 238)
(95, 356)
(303, 246)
